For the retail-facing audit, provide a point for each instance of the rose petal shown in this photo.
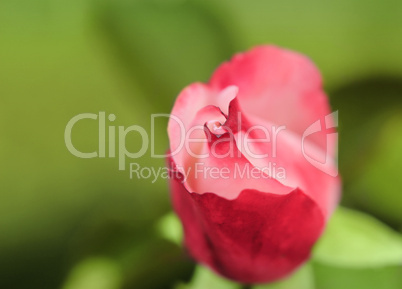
(278, 85)
(283, 149)
(257, 237)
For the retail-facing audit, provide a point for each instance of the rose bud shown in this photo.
(252, 162)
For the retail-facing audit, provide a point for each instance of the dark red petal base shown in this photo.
(256, 238)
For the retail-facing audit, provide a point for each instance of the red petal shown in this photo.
(285, 151)
(258, 237)
(278, 85)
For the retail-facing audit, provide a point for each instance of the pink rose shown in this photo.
(252, 162)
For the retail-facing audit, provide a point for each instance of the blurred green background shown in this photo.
(74, 223)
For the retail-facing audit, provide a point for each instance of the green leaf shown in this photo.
(204, 278)
(356, 240)
(169, 227)
(332, 277)
(301, 279)
(95, 273)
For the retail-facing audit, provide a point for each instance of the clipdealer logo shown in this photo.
(121, 131)
(107, 135)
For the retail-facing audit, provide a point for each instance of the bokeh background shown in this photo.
(74, 223)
